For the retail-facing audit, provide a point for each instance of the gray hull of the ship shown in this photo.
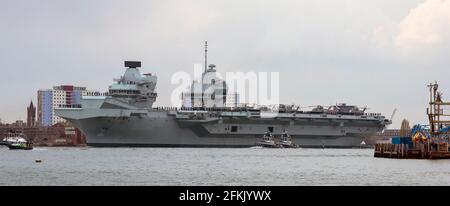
(168, 132)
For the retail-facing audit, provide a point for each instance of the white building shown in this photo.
(232, 100)
(59, 96)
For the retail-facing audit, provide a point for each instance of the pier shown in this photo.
(420, 151)
(425, 141)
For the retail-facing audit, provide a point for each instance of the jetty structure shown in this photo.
(425, 141)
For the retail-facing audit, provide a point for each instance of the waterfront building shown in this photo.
(55, 135)
(232, 100)
(18, 123)
(59, 96)
(383, 136)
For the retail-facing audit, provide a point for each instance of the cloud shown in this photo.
(381, 37)
(191, 17)
(84, 43)
(424, 30)
(426, 26)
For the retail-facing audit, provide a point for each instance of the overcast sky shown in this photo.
(375, 53)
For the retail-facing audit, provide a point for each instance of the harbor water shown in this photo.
(211, 166)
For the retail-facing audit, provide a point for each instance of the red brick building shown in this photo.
(56, 135)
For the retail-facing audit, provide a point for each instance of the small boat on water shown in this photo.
(21, 145)
(267, 141)
(16, 141)
(286, 141)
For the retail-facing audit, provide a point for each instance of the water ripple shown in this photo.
(210, 166)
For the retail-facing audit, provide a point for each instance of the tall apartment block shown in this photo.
(59, 96)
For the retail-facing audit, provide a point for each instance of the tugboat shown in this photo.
(17, 141)
(267, 141)
(286, 141)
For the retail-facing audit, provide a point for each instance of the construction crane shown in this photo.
(435, 112)
(393, 114)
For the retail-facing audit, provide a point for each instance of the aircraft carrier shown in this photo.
(126, 117)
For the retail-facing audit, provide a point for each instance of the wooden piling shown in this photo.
(418, 151)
